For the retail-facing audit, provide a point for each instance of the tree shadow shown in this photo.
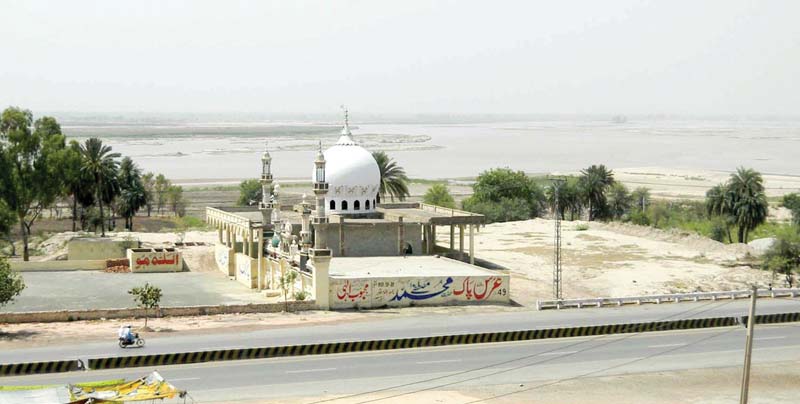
(16, 335)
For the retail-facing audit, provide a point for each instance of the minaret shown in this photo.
(320, 254)
(305, 231)
(266, 206)
(320, 190)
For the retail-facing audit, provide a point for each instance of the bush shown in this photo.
(582, 227)
(504, 195)
(249, 192)
(300, 296)
(11, 283)
(784, 256)
(439, 195)
(639, 218)
(504, 210)
(719, 231)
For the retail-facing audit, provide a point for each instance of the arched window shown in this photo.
(333, 205)
(366, 205)
(375, 204)
(357, 205)
(344, 205)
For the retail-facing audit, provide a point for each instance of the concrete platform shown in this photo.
(414, 266)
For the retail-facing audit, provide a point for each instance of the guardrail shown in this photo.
(183, 358)
(658, 299)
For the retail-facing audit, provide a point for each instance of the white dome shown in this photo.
(353, 178)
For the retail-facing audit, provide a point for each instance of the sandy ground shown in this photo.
(612, 260)
(769, 383)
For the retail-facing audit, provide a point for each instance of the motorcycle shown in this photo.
(136, 341)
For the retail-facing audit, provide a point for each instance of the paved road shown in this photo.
(405, 371)
(423, 325)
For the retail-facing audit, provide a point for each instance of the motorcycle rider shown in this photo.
(125, 333)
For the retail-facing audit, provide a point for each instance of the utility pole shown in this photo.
(557, 183)
(748, 351)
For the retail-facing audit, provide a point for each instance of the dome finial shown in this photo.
(346, 129)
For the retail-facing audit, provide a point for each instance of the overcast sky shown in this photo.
(607, 57)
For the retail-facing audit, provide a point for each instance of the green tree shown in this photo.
(439, 195)
(394, 182)
(175, 200)
(619, 200)
(133, 195)
(7, 221)
(161, 185)
(147, 297)
(31, 162)
(286, 282)
(149, 183)
(792, 202)
(569, 198)
(594, 182)
(100, 164)
(640, 197)
(78, 185)
(502, 194)
(11, 283)
(719, 203)
(249, 192)
(783, 257)
(750, 206)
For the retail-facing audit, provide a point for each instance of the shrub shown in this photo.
(249, 192)
(581, 227)
(301, 295)
(439, 195)
(11, 283)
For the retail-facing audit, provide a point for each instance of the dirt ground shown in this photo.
(612, 260)
(769, 384)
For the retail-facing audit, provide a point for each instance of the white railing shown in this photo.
(658, 299)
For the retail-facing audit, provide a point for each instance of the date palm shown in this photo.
(594, 182)
(750, 205)
(100, 164)
(393, 178)
(133, 195)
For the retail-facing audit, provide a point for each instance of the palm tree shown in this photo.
(749, 201)
(99, 164)
(594, 181)
(133, 196)
(719, 202)
(393, 178)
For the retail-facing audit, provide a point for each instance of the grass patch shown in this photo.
(581, 227)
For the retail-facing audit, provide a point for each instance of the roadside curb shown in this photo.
(184, 358)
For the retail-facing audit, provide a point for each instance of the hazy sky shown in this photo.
(608, 57)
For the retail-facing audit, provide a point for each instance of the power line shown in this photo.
(525, 365)
(506, 362)
(604, 369)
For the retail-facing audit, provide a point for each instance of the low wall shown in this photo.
(347, 292)
(223, 256)
(247, 270)
(94, 248)
(46, 266)
(155, 260)
(76, 315)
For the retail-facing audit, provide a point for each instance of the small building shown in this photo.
(349, 224)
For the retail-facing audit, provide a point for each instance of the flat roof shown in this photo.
(380, 267)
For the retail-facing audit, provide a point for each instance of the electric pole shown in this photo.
(557, 184)
(748, 350)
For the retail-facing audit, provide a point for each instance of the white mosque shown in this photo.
(348, 249)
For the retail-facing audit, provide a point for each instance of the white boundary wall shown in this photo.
(353, 292)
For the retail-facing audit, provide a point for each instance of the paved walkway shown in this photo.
(77, 290)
